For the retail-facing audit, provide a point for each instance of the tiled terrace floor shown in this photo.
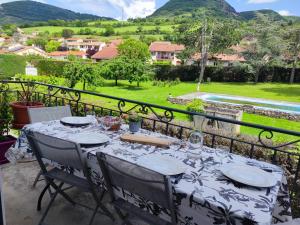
(20, 201)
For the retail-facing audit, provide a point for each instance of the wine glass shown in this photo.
(222, 154)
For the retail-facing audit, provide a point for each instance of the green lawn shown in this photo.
(158, 95)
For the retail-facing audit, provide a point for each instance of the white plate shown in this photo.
(249, 175)
(163, 164)
(89, 138)
(76, 121)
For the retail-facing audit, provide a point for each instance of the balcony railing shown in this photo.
(262, 146)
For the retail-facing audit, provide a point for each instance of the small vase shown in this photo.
(134, 126)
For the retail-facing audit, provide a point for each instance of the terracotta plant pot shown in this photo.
(4, 146)
(20, 113)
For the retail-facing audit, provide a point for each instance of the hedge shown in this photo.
(10, 65)
(48, 67)
(225, 74)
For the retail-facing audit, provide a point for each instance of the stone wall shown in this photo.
(244, 108)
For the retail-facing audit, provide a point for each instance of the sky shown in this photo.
(142, 8)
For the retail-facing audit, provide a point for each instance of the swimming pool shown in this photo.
(257, 103)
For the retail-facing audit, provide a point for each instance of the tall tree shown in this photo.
(52, 46)
(210, 37)
(294, 49)
(134, 49)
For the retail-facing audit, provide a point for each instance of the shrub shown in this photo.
(10, 65)
(196, 106)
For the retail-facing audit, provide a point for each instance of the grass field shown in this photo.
(120, 30)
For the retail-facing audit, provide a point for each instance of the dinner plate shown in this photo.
(163, 164)
(76, 121)
(89, 138)
(249, 175)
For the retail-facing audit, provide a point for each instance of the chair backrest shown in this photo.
(48, 113)
(65, 153)
(148, 184)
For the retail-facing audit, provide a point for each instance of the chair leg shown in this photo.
(48, 208)
(37, 179)
(93, 216)
(41, 196)
(58, 189)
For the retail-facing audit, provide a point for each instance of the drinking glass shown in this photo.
(195, 145)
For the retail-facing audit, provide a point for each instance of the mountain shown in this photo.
(267, 13)
(31, 11)
(214, 8)
(195, 7)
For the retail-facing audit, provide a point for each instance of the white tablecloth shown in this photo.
(202, 195)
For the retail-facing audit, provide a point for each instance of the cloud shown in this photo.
(284, 12)
(261, 1)
(134, 8)
(110, 8)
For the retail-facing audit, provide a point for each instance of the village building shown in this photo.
(218, 59)
(108, 52)
(63, 55)
(22, 50)
(165, 51)
(85, 46)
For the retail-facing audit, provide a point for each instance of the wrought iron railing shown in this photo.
(164, 119)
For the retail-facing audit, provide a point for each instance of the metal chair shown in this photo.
(145, 183)
(69, 156)
(292, 222)
(48, 113)
(37, 115)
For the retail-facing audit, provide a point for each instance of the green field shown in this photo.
(120, 30)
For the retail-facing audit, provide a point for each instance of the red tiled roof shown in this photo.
(164, 46)
(221, 57)
(3, 52)
(109, 52)
(67, 53)
(230, 58)
(116, 42)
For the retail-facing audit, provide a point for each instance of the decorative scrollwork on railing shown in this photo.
(167, 116)
(268, 135)
(73, 95)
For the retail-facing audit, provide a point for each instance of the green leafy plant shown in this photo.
(196, 106)
(5, 111)
(134, 117)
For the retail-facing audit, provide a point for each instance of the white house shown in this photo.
(165, 51)
(85, 46)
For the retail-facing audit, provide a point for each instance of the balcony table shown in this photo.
(202, 195)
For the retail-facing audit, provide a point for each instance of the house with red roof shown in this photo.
(165, 51)
(63, 55)
(108, 52)
(218, 59)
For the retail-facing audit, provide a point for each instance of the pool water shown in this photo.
(258, 103)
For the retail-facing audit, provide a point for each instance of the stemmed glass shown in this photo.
(222, 154)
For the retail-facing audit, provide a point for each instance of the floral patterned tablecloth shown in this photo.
(202, 195)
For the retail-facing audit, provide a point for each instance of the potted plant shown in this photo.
(20, 107)
(134, 122)
(6, 141)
